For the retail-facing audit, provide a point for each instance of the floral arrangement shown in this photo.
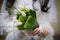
(28, 19)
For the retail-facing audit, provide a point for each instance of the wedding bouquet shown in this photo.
(28, 19)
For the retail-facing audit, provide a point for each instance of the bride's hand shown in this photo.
(32, 33)
(44, 32)
(38, 32)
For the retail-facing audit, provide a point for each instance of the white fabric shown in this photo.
(53, 12)
(42, 18)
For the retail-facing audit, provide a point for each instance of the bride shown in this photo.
(45, 30)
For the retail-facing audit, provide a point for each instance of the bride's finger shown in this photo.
(36, 32)
(45, 31)
(25, 31)
(41, 34)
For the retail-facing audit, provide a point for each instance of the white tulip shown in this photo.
(16, 22)
(23, 14)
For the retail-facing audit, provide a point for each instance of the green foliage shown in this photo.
(29, 22)
(20, 27)
(24, 9)
(32, 13)
(22, 19)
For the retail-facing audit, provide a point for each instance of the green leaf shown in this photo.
(17, 16)
(22, 19)
(30, 23)
(32, 12)
(20, 27)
